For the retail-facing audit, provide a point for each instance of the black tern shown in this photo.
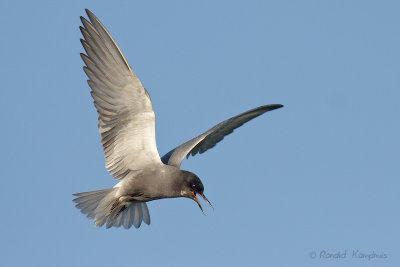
(126, 122)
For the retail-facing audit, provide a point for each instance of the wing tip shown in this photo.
(274, 106)
(84, 21)
(88, 12)
(91, 16)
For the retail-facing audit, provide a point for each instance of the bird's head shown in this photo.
(191, 187)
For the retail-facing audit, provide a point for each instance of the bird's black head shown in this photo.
(193, 186)
(194, 183)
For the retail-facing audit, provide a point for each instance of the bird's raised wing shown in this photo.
(126, 116)
(210, 138)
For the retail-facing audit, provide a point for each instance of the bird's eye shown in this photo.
(193, 186)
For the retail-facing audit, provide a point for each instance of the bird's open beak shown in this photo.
(208, 202)
(195, 198)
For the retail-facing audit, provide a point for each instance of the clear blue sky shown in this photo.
(321, 174)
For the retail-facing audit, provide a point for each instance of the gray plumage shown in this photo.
(126, 123)
(209, 139)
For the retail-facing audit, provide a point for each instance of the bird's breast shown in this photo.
(149, 185)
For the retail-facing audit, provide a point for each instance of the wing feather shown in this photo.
(209, 139)
(126, 116)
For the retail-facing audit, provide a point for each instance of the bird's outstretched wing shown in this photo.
(210, 138)
(126, 116)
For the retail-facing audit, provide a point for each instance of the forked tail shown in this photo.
(104, 207)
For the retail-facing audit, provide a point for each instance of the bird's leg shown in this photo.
(122, 203)
(115, 204)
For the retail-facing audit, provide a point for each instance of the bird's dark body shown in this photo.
(163, 181)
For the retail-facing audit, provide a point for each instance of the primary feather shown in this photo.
(126, 116)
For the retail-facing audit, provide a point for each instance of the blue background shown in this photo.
(321, 174)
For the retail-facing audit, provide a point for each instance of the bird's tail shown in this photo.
(106, 208)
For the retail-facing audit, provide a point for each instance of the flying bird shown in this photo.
(126, 122)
